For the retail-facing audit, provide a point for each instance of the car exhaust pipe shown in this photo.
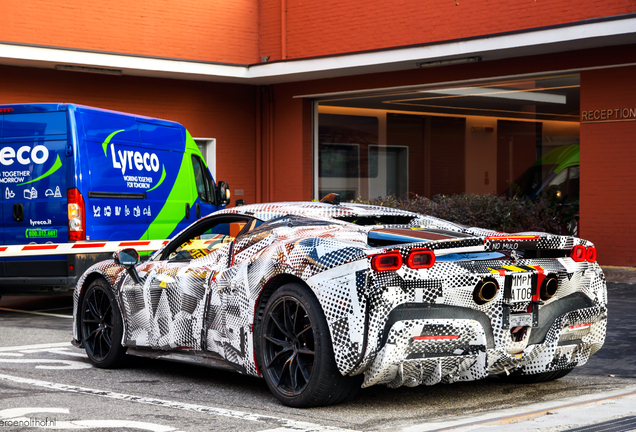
(485, 291)
(549, 287)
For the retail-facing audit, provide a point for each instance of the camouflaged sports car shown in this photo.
(321, 299)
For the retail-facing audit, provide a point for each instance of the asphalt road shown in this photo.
(44, 378)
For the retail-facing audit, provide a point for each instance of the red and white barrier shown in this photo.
(78, 248)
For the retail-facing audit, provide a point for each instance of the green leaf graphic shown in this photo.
(56, 166)
(163, 176)
(108, 138)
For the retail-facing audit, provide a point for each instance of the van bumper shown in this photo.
(35, 277)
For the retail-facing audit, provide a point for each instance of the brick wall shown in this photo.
(326, 27)
(608, 158)
(241, 31)
(208, 110)
(209, 30)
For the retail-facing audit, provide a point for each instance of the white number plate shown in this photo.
(521, 287)
(521, 320)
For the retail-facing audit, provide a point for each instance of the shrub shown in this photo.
(486, 211)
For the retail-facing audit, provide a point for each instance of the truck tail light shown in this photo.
(421, 258)
(76, 219)
(387, 262)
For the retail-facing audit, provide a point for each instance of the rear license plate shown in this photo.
(521, 287)
(521, 320)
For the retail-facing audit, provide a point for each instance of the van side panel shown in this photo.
(171, 198)
(115, 176)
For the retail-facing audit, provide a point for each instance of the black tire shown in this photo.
(101, 326)
(535, 378)
(295, 351)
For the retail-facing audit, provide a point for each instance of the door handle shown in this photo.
(18, 212)
(187, 211)
(198, 211)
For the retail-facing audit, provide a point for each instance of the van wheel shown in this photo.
(101, 326)
(295, 351)
(535, 378)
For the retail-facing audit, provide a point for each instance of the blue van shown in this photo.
(72, 173)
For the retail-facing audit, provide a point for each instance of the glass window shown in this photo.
(496, 137)
(202, 181)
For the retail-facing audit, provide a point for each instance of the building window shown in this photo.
(207, 147)
(504, 137)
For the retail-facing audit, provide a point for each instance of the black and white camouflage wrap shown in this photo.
(382, 325)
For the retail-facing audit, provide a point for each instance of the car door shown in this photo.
(168, 310)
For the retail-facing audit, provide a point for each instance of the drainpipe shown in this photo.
(259, 147)
(283, 29)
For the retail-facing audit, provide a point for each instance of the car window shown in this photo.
(201, 180)
(201, 244)
(208, 236)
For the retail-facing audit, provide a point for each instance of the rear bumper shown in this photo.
(427, 345)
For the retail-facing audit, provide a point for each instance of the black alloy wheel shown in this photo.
(289, 345)
(295, 351)
(101, 326)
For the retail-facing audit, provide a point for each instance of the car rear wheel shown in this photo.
(536, 378)
(295, 351)
(101, 326)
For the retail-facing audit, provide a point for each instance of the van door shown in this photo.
(171, 192)
(205, 203)
(33, 162)
(114, 184)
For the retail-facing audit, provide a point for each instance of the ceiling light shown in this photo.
(522, 95)
(448, 62)
(89, 69)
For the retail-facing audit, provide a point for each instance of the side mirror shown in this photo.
(223, 191)
(128, 258)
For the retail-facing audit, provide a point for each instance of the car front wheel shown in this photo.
(295, 351)
(101, 326)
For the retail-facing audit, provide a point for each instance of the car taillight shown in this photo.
(591, 254)
(76, 220)
(578, 253)
(421, 258)
(387, 262)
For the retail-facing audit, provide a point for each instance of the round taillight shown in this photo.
(387, 262)
(578, 253)
(591, 254)
(421, 258)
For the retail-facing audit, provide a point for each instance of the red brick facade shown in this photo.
(608, 158)
(265, 132)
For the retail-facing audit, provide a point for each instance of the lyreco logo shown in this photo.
(24, 155)
(129, 158)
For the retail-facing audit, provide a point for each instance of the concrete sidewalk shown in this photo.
(620, 274)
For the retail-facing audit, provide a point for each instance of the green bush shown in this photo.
(485, 211)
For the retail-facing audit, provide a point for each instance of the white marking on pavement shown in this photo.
(37, 313)
(67, 364)
(61, 351)
(17, 415)
(21, 412)
(38, 346)
(289, 425)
